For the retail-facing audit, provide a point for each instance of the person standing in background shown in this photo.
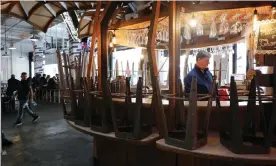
(202, 73)
(43, 85)
(12, 86)
(47, 78)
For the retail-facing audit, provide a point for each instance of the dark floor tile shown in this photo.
(49, 142)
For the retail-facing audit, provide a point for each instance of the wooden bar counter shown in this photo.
(152, 150)
(215, 154)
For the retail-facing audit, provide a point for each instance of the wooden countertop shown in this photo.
(148, 140)
(216, 150)
(147, 102)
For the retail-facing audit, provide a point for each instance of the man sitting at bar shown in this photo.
(202, 73)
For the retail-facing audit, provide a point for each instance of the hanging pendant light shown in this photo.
(255, 19)
(21, 50)
(193, 21)
(34, 38)
(11, 46)
(114, 41)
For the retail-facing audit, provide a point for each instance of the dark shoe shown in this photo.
(6, 142)
(35, 118)
(18, 123)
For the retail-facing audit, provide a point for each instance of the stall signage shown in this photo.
(267, 37)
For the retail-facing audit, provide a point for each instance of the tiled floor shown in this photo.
(49, 141)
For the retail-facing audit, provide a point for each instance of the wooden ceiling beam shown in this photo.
(3, 3)
(142, 19)
(221, 5)
(63, 5)
(23, 11)
(119, 10)
(12, 4)
(33, 9)
(47, 6)
(94, 36)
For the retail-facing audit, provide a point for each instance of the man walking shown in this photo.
(25, 97)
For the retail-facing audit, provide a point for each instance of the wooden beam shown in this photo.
(23, 11)
(92, 47)
(159, 110)
(124, 23)
(190, 7)
(114, 19)
(33, 9)
(50, 9)
(104, 41)
(204, 41)
(174, 57)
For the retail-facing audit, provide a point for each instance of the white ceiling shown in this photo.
(17, 29)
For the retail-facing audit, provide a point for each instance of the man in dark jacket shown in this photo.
(25, 97)
(12, 86)
(202, 73)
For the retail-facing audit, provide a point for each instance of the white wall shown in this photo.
(13, 64)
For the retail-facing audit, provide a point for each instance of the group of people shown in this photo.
(44, 81)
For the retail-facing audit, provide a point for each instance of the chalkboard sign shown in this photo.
(267, 37)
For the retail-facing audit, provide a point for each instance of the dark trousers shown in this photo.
(24, 106)
(12, 103)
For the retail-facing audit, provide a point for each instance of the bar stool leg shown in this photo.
(58, 96)
(55, 96)
(50, 91)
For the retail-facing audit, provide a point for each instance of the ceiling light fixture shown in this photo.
(114, 41)
(255, 19)
(33, 38)
(12, 47)
(193, 21)
(110, 44)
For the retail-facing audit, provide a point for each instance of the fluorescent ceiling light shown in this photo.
(12, 47)
(33, 38)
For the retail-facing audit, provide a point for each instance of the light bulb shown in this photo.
(114, 39)
(255, 19)
(193, 21)
(273, 10)
(110, 44)
(12, 47)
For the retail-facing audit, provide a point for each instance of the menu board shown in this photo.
(267, 37)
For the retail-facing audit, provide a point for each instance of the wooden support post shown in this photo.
(94, 37)
(102, 68)
(174, 60)
(186, 65)
(159, 110)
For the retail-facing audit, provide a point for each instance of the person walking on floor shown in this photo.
(25, 97)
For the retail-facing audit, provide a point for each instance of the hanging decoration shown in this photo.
(199, 27)
(187, 32)
(213, 28)
(224, 25)
(236, 27)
